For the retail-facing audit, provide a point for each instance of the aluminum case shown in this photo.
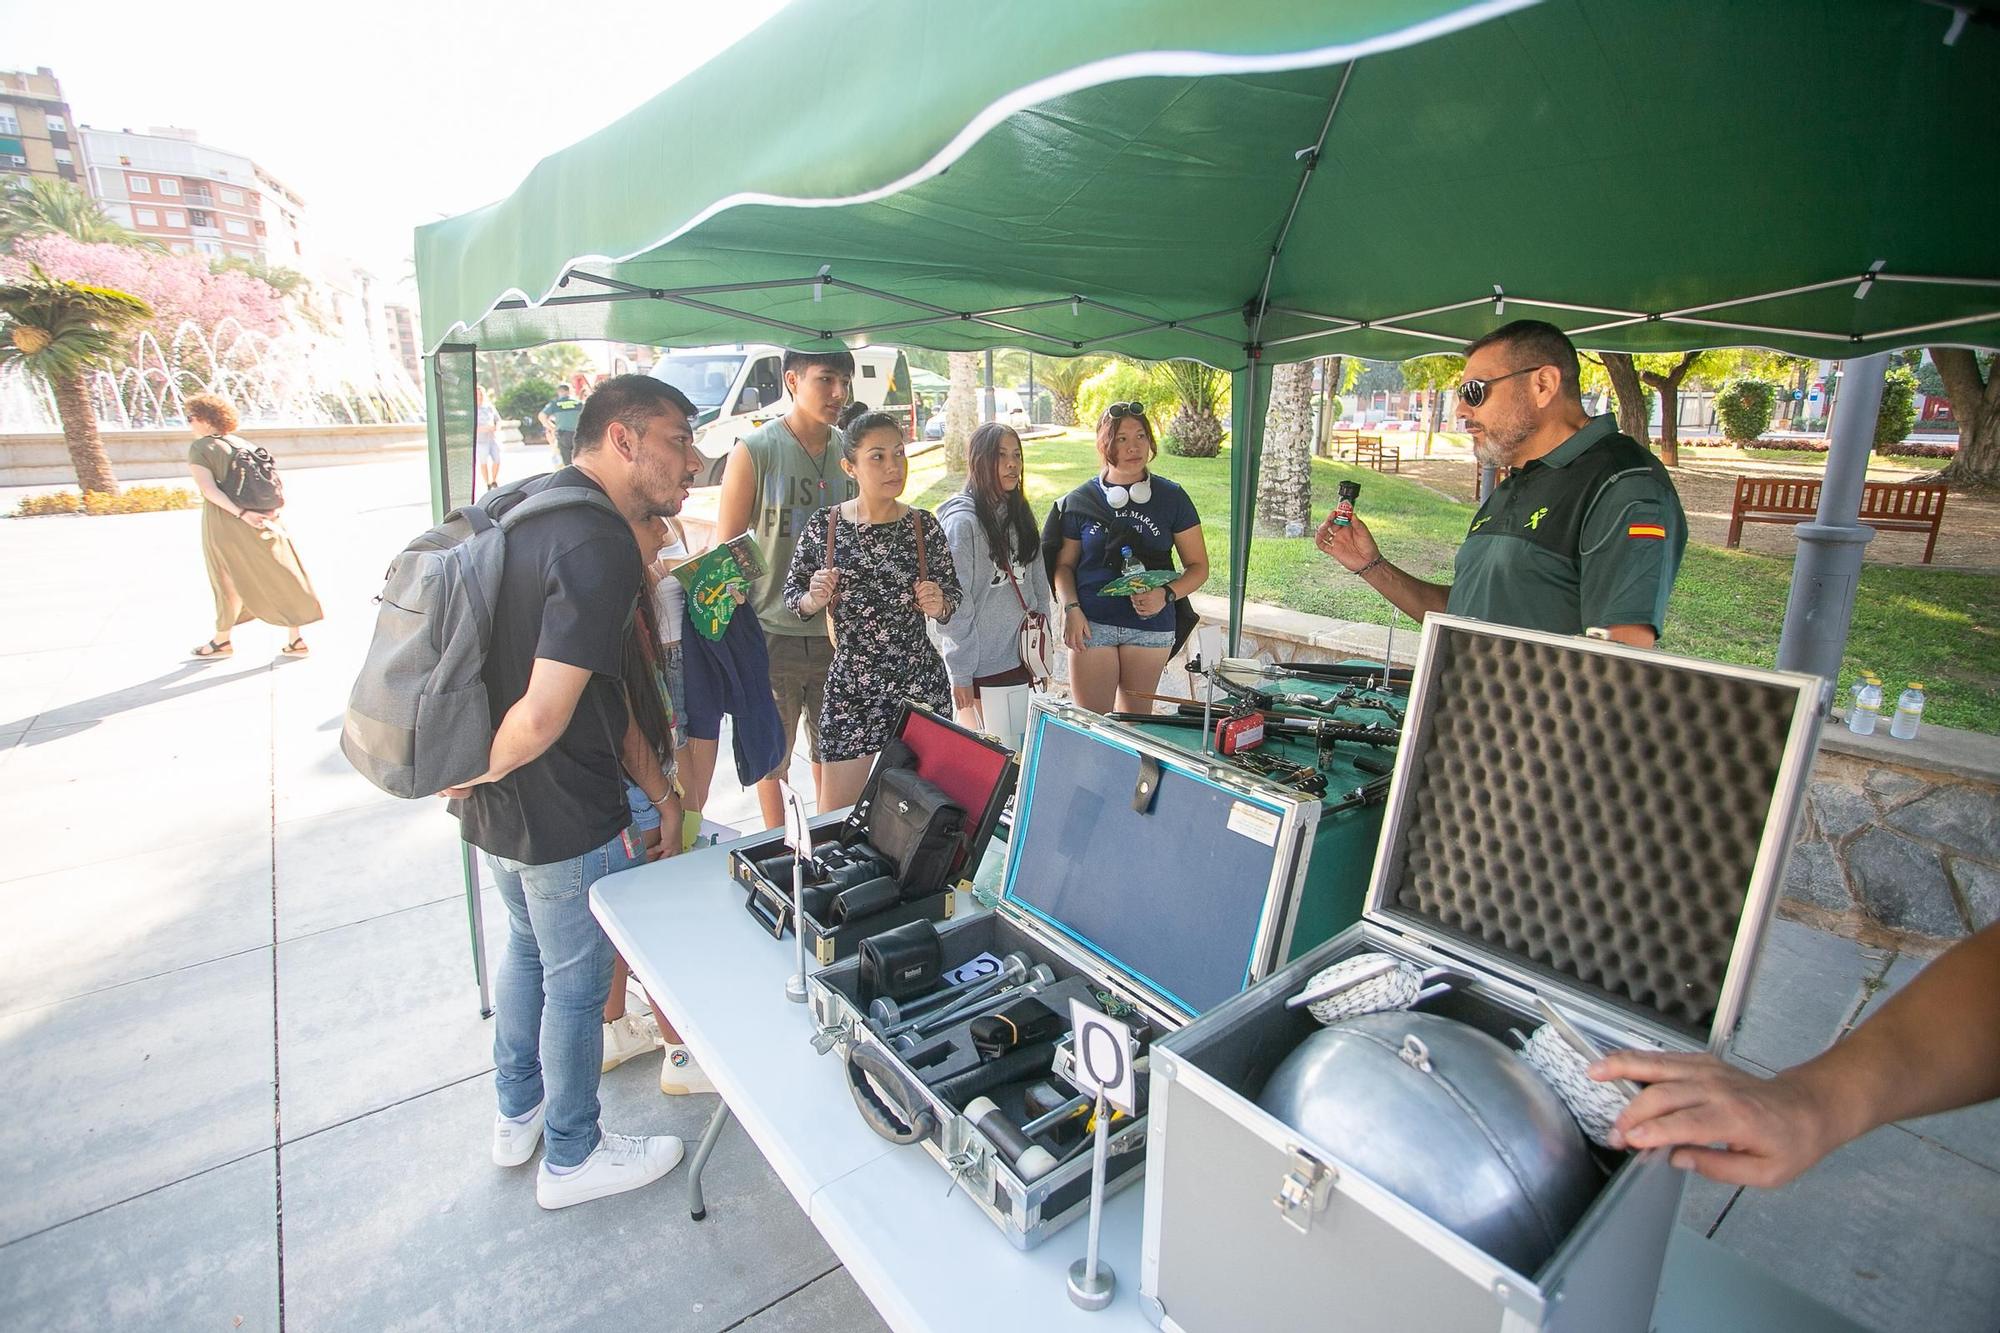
(1051, 813)
(1232, 1190)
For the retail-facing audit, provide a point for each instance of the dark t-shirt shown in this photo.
(1165, 514)
(567, 593)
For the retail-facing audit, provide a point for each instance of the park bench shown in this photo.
(1885, 505)
(1369, 451)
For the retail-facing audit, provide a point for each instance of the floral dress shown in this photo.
(882, 654)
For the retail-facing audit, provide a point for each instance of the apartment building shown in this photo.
(37, 134)
(193, 198)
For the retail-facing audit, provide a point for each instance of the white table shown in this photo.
(928, 1261)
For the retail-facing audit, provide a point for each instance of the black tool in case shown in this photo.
(931, 804)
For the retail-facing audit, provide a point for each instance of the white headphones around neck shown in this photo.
(1139, 492)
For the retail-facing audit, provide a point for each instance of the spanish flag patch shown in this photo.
(1652, 530)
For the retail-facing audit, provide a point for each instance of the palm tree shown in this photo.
(54, 330)
(961, 411)
(1196, 430)
(1063, 378)
(38, 206)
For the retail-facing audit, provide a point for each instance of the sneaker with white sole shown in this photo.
(634, 1034)
(514, 1140)
(620, 1162)
(680, 1074)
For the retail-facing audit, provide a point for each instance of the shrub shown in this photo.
(136, 500)
(1743, 406)
(1124, 382)
(525, 399)
(1899, 407)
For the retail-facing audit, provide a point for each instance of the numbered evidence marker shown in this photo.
(1103, 1067)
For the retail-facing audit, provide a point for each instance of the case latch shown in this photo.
(1303, 1193)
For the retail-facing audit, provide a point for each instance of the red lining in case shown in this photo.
(967, 771)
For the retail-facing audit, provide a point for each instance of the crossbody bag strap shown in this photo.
(917, 517)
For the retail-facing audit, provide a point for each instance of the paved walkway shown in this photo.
(251, 1083)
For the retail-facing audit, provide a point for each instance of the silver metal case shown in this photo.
(1051, 814)
(1550, 909)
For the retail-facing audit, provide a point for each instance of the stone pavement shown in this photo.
(236, 1004)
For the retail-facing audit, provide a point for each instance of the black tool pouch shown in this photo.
(917, 829)
(901, 963)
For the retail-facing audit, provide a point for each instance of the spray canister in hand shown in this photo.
(1909, 712)
(1343, 509)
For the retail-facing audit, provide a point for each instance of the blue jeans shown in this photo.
(548, 1033)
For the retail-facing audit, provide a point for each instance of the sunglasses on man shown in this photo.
(1473, 392)
(1118, 411)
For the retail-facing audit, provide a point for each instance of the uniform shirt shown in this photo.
(791, 485)
(564, 409)
(1588, 535)
(1167, 513)
(567, 592)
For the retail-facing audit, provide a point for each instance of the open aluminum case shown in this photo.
(976, 771)
(1134, 869)
(1601, 826)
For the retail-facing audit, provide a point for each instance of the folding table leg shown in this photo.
(697, 1208)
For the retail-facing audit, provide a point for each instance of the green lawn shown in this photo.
(1937, 626)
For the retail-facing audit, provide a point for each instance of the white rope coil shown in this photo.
(1595, 1105)
(1394, 989)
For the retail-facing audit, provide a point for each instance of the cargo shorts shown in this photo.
(799, 663)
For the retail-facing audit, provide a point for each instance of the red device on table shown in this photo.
(1233, 735)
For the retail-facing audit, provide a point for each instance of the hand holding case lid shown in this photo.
(1554, 830)
(1133, 868)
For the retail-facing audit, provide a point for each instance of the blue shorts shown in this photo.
(1118, 636)
(645, 815)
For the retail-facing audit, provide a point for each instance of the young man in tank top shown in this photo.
(777, 475)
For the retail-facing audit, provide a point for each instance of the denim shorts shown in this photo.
(645, 815)
(1119, 636)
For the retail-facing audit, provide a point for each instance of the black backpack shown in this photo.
(252, 481)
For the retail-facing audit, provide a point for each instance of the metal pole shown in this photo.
(1031, 388)
(990, 414)
(475, 916)
(1827, 572)
(1489, 477)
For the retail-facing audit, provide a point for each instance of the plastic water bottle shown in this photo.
(1131, 562)
(1867, 709)
(1909, 712)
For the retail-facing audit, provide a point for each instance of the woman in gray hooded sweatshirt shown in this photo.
(982, 642)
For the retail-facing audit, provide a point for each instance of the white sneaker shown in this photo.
(514, 1140)
(620, 1162)
(634, 1034)
(680, 1075)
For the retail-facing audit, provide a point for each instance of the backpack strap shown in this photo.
(552, 497)
(917, 517)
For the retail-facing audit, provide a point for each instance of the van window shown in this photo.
(704, 379)
(767, 380)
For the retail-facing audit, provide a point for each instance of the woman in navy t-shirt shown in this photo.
(1119, 645)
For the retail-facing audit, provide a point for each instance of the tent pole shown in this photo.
(1827, 573)
(1247, 389)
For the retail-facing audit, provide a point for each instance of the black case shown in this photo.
(976, 771)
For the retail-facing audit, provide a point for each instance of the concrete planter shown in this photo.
(41, 459)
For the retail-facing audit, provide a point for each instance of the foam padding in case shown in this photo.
(1593, 814)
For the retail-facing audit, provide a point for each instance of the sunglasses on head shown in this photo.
(1119, 410)
(1473, 392)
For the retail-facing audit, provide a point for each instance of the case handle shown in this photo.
(773, 915)
(909, 1120)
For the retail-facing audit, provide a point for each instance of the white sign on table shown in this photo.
(1104, 1057)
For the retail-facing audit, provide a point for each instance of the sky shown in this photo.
(380, 115)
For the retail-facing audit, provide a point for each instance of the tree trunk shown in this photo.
(1669, 388)
(1329, 378)
(961, 409)
(79, 423)
(1284, 483)
(1975, 406)
(1062, 411)
(1631, 395)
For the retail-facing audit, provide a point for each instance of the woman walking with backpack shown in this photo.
(996, 551)
(252, 569)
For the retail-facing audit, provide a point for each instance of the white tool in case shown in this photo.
(1584, 842)
(1140, 880)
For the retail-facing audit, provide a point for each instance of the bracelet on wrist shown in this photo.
(1363, 571)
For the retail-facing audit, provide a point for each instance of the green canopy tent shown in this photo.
(1259, 183)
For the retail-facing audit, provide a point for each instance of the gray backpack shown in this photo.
(418, 719)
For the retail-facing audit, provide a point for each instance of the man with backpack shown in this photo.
(550, 811)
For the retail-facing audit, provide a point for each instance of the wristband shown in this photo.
(1363, 571)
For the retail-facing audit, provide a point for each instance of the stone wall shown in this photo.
(1902, 837)
(41, 459)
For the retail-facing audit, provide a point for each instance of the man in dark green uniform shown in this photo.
(1584, 532)
(559, 416)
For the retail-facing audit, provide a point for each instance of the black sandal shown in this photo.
(296, 648)
(214, 648)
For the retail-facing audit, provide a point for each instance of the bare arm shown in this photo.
(1192, 548)
(1933, 1047)
(643, 766)
(204, 481)
(533, 723)
(737, 496)
(1074, 629)
(1354, 547)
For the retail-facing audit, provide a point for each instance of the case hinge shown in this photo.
(1304, 1191)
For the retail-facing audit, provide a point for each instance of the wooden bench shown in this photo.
(1369, 451)
(1885, 505)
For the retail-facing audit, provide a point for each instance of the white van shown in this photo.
(742, 386)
